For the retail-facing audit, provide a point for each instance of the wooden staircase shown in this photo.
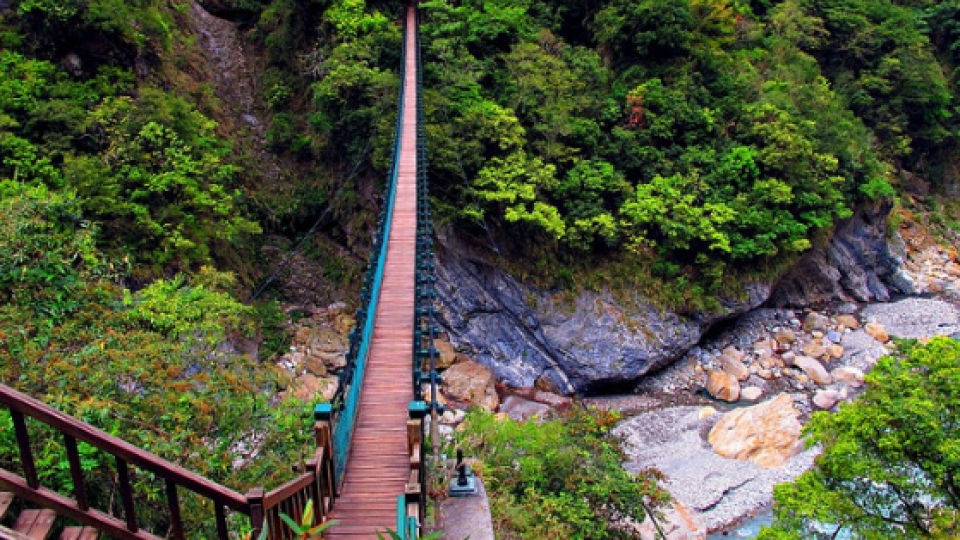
(34, 524)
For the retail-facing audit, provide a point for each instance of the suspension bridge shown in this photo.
(367, 471)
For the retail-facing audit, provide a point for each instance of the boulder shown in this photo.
(767, 434)
(788, 358)
(343, 323)
(447, 353)
(731, 362)
(814, 350)
(815, 322)
(877, 332)
(751, 393)
(835, 351)
(472, 383)
(308, 386)
(428, 394)
(723, 385)
(849, 375)
(520, 409)
(826, 399)
(555, 401)
(315, 366)
(785, 336)
(813, 369)
(847, 321)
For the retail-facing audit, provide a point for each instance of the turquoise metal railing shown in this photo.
(407, 526)
(424, 361)
(344, 406)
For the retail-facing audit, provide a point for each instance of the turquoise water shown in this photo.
(747, 529)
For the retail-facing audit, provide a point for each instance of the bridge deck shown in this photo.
(378, 467)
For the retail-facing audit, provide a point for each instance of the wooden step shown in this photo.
(6, 499)
(35, 524)
(79, 533)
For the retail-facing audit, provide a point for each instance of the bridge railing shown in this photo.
(314, 483)
(425, 354)
(344, 406)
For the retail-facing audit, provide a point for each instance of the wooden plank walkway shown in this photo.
(379, 466)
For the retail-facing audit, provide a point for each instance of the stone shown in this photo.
(847, 321)
(723, 385)
(785, 336)
(521, 409)
(428, 395)
(835, 351)
(817, 334)
(555, 401)
(706, 412)
(732, 363)
(850, 375)
(545, 383)
(343, 323)
(308, 386)
(315, 366)
(733, 352)
(813, 369)
(877, 332)
(834, 336)
(676, 523)
(767, 434)
(472, 383)
(751, 393)
(447, 353)
(765, 347)
(826, 399)
(765, 374)
(815, 322)
(788, 358)
(814, 350)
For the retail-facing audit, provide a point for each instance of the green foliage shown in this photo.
(159, 186)
(46, 251)
(560, 478)
(687, 128)
(305, 529)
(890, 459)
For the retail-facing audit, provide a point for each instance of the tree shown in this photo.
(891, 461)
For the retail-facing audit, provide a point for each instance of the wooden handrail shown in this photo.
(315, 484)
(64, 423)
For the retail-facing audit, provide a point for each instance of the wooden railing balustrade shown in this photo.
(315, 483)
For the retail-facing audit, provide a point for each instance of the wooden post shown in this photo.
(255, 503)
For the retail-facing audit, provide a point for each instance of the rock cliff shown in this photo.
(526, 335)
(856, 264)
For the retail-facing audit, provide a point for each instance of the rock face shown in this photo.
(524, 334)
(767, 434)
(855, 265)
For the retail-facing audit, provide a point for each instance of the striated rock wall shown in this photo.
(857, 264)
(526, 335)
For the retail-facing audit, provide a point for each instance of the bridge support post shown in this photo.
(255, 503)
